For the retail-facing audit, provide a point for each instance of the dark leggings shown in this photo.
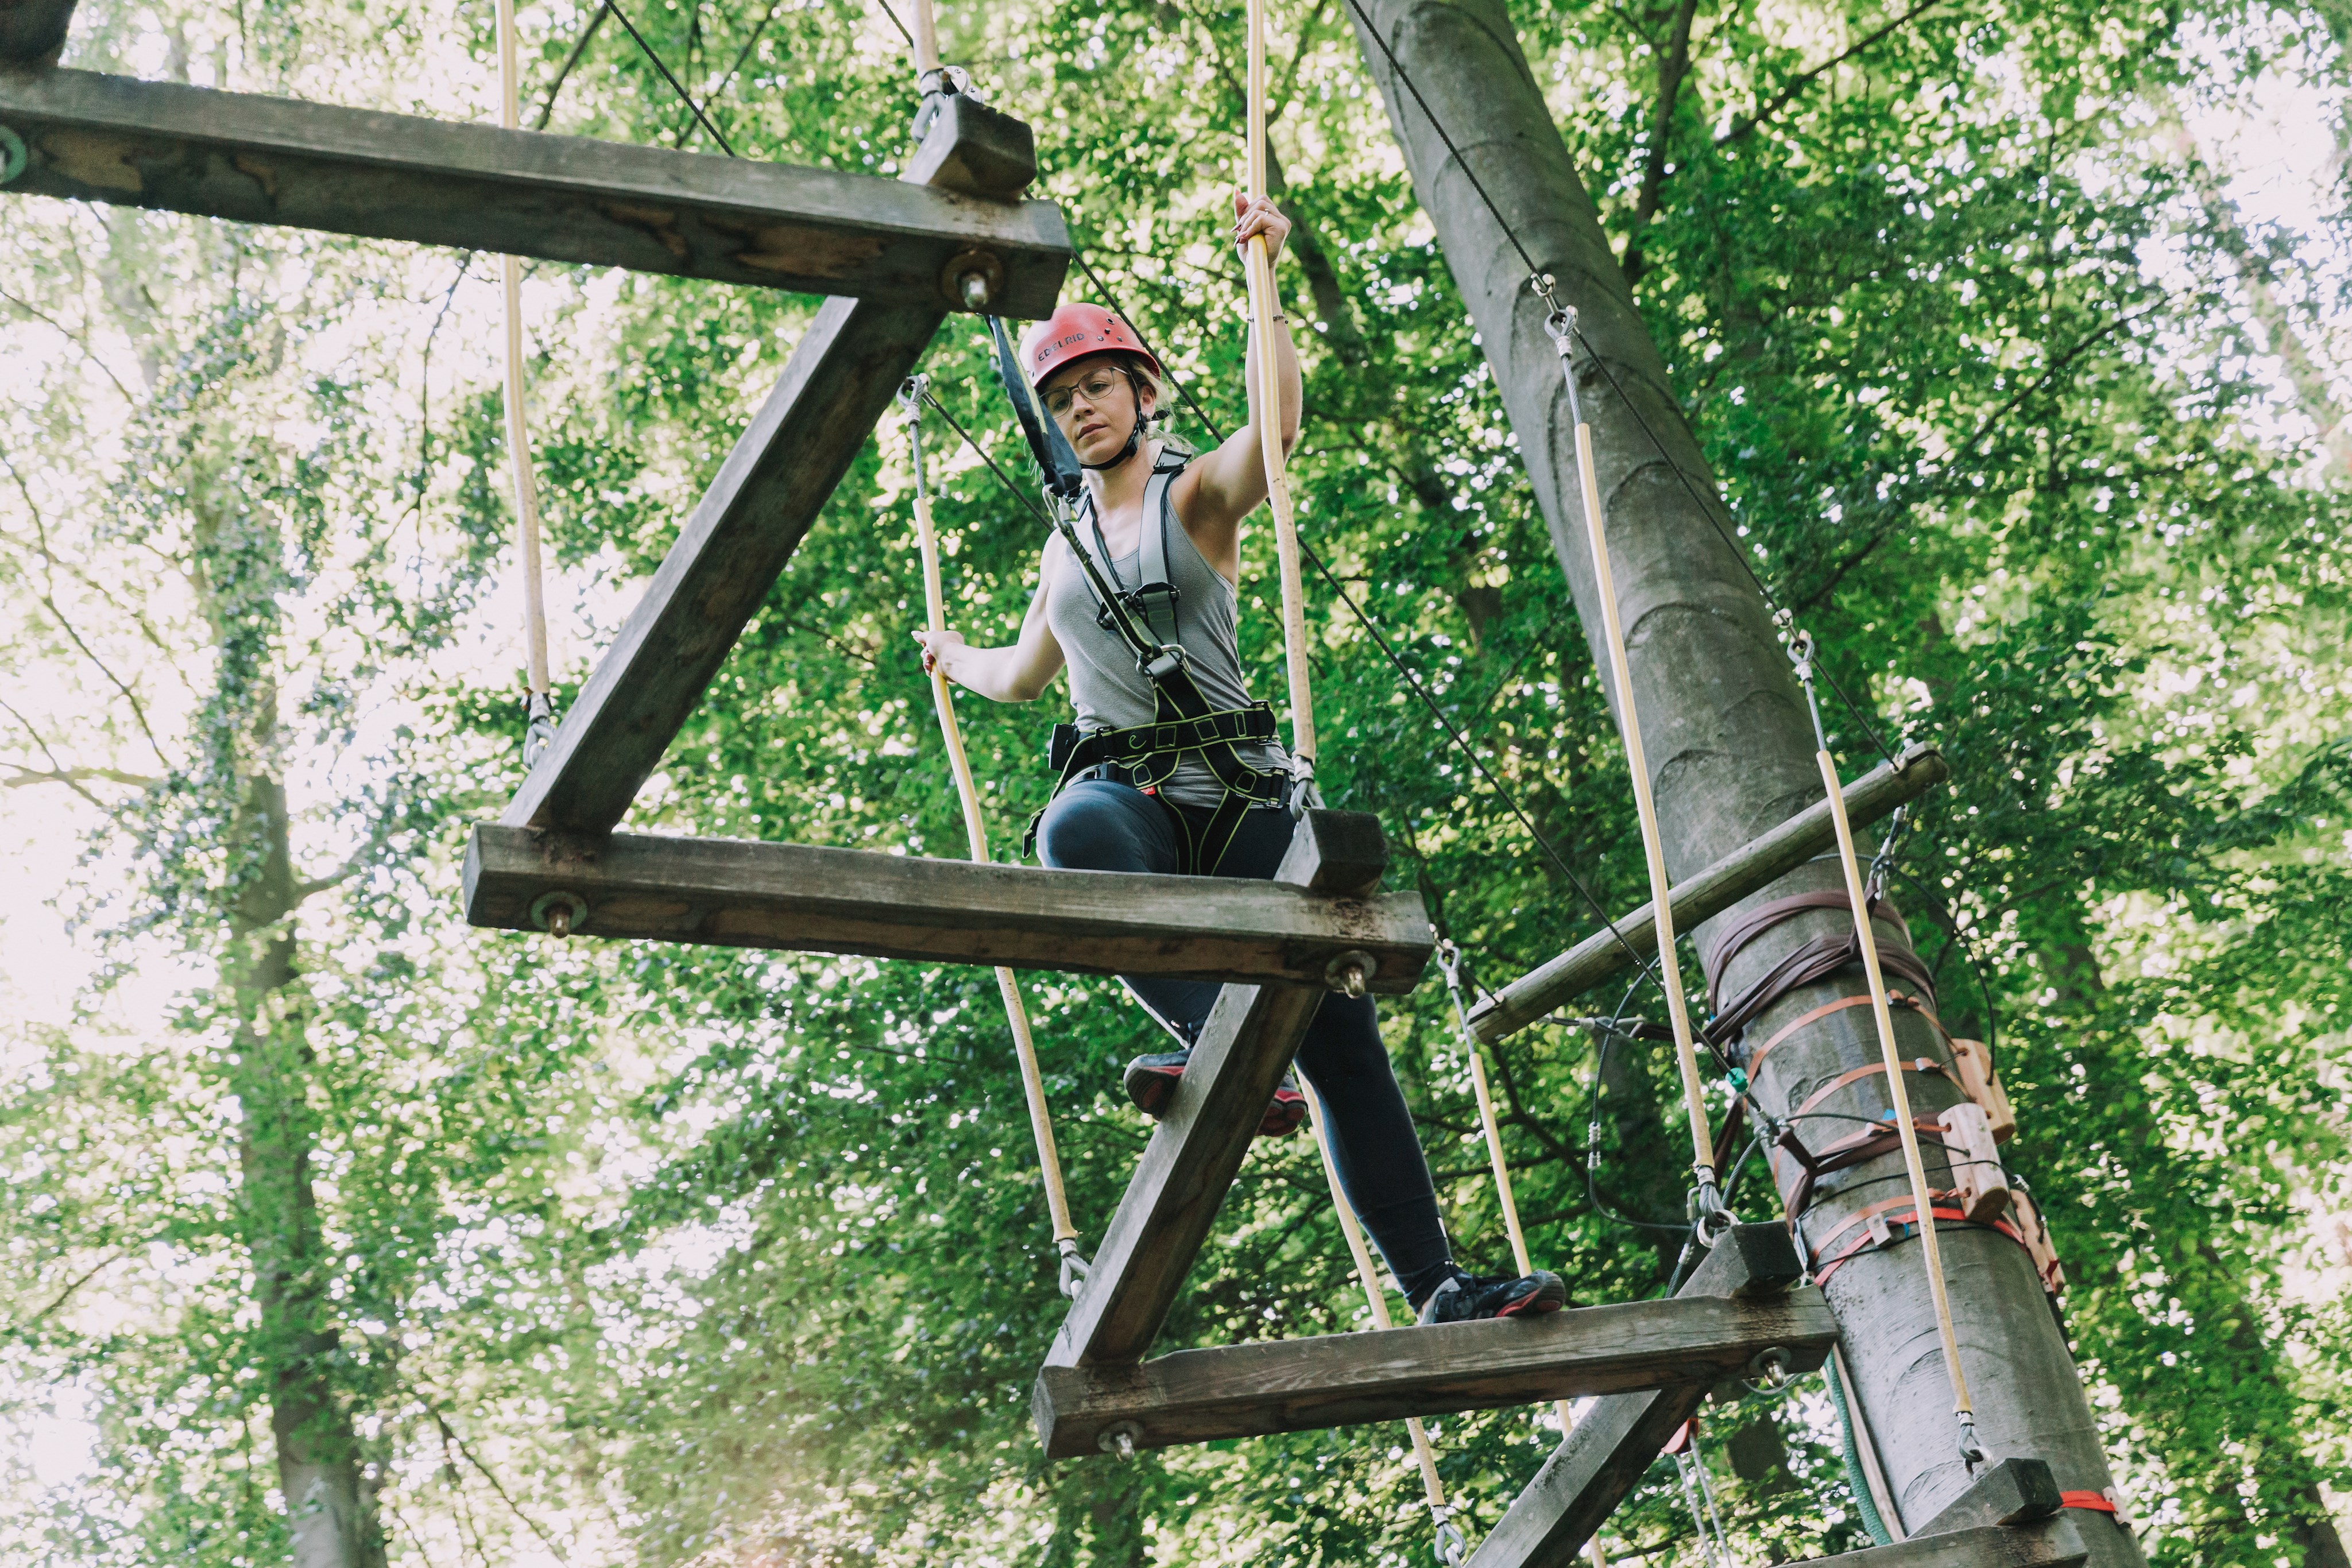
(1095, 825)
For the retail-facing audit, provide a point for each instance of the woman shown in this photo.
(1162, 813)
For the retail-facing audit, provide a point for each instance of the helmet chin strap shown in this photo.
(1134, 437)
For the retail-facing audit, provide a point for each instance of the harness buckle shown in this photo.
(1166, 662)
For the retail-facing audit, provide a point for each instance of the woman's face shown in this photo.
(1095, 403)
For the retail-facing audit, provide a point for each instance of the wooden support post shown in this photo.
(738, 893)
(524, 193)
(1198, 1147)
(2054, 1543)
(1754, 865)
(838, 384)
(32, 31)
(1345, 1380)
(1604, 1456)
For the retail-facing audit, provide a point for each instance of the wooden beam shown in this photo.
(1246, 1044)
(32, 31)
(1346, 1380)
(840, 379)
(2052, 1542)
(1748, 869)
(1602, 1459)
(735, 893)
(2014, 1492)
(524, 193)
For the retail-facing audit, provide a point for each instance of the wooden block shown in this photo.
(1196, 1151)
(524, 193)
(1748, 869)
(2052, 1542)
(2014, 1492)
(1342, 853)
(1603, 1458)
(1345, 1380)
(32, 31)
(735, 893)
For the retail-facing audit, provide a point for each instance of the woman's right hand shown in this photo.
(939, 650)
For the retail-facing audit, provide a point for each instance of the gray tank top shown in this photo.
(1107, 689)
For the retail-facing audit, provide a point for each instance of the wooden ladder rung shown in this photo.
(1345, 1380)
(747, 893)
(166, 145)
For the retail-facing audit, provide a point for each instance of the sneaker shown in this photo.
(1151, 1079)
(1468, 1297)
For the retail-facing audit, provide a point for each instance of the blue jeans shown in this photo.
(1097, 825)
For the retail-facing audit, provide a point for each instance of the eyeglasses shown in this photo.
(1097, 387)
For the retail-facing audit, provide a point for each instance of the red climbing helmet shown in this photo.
(1075, 331)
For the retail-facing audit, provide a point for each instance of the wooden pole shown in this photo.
(1267, 412)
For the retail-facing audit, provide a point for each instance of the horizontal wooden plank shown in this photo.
(2052, 1542)
(733, 893)
(259, 160)
(1748, 869)
(1604, 1457)
(31, 31)
(1344, 1380)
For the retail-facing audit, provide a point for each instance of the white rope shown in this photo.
(1266, 411)
(1713, 1216)
(1915, 1166)
(541, 733)
(1451, 1548)
(976, 827)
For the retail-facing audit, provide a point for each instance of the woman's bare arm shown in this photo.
(1227, 484)
(1017, 674)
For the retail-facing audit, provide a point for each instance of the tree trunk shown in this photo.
(1729, 744)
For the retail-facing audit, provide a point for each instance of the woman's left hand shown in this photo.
(1257, 215)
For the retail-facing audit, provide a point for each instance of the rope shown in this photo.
(976, 827)
(1898, 1089)
(1712, 1214)
(1449, 958)
(539, 732)
(1857, 1479)
(1450, 1549)
(1265, 307)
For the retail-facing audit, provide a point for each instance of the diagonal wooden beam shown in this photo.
(1748, 869)
(839, 381)
(1197, 1149)
(1345, 1380)
(738, 893)
(2052, 1542)
(1604, 1457)
(524, 193)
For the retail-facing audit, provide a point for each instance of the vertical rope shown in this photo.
(1899, 1093)
(1267, 395)
(924, 42)
(526, 490)
(1450, 1545)
(1670, 973)
(976, 828)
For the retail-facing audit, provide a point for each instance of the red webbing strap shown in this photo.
(1866, 1243)
(1894, 998)
(1855, 1148)
(1764, 917)
(2097, 1502)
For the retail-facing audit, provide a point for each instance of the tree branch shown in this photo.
(1674, 66)
(1789, 94)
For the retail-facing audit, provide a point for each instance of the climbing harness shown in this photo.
(1265, 308)
(976, 827)
(540, 732)
(1450, 962)
(1452, 1550)
(1972, 1451)
(1714, 1218)
(1184, 721)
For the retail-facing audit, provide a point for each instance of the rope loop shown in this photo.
(12, 156)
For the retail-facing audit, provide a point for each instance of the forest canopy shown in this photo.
(2013, 333)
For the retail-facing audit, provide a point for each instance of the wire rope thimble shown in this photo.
(539, 729)
(1452, 1550)
(1074, 1268)
(1972, 1452)
(1711, 1220)
(1559, 323)
(1119, 1438)
(13, 156)
(910, 396)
